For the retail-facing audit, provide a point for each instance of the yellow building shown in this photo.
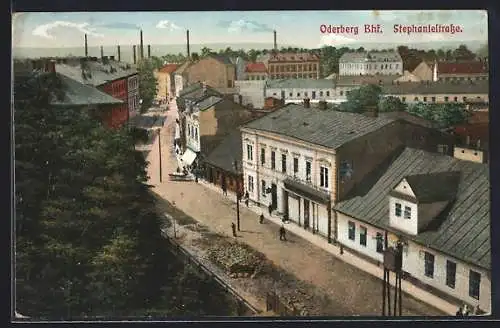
(165, 82)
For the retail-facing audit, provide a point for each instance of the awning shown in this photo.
(188, 157)
(303, 189)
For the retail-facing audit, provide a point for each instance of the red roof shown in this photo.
(474, 131)
(256, 68)
(475, 67)
(169, 68)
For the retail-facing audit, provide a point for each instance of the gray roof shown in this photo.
(229, 150)
(372, 56)
(100, 73)
(300, 84)
(349, 80)
(434, 187)
(78, 94)
(326, 128)
(207, 103)
(452, 87)
(353, 57)
(462, 230)
(408, 117)
(222, 58)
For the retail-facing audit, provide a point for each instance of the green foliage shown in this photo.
(147, 84)
(362, 98)
(88, 238)
(391, 104)
(445, 115)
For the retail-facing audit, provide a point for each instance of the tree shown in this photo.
(446, 115)
(195, 56)
(391, 104)
(147, 84)
(362, 98)
(205, 51)
(483, 52)
(463, 53)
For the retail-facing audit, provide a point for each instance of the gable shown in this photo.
(404, 188)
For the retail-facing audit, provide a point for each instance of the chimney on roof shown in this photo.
(187, 45)
(119, 52)
(307, 103)
(102, 52)
(371, 111)
(134, 52)
(275, 44)
(149, 51)
(86, 47)
(467, 140)
(142, 46)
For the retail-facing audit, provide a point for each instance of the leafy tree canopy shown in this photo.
(147, 83)
(391, 104)
(447, 114)
(362, 98)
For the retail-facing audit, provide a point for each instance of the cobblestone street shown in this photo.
(358, 291)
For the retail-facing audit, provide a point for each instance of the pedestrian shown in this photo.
(233, 228)
(270, 208)
(282, 233)
(247, 195)
(261, 218)
(224, 190)
(246, 202)
(459, 312)
(285, 218)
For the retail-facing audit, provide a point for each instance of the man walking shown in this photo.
(233, 228)
(270, 208)
(247, 197)
(261, 218)
(224, 189)
(282, 233)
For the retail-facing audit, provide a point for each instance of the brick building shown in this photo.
(293, 65)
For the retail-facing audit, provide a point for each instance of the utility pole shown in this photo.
(393, 261)
(235, 163)
(159, 151)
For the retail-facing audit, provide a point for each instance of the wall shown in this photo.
(179, 82)
(298, 94)
(472, 155)
(409, 226)
(161, 86)
(117, 115)
(414, 264)
(440, 98)
(282, 70)
(424, 72)
(214, 73)
(252, 92)
(133, 95)
(193, 139)
(371, 68)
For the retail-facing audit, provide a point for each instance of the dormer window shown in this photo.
(407, 213)
(397, 209)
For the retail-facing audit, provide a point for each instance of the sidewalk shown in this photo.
(346, 278)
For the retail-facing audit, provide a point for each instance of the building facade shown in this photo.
(252, 92)
(180, 78)
(133, 95)
(256, 71)
(165, 79)
(293, 66)
(371, 63)
(296, 90)
(452, 71)
(217, 71)
(447, 253)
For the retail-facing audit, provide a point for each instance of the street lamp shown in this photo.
(235, 165)
(159, 151)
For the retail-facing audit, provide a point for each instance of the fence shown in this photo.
(242, 305)
(274, 304)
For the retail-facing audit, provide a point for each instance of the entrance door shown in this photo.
(274, 196)
(306, 214)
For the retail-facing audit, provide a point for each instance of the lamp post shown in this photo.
(235, 165)
(173, 222)
(159, 151)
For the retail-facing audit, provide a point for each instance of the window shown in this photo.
(474, 284)
(429, 265)
(397, 210)
(295, 165)
(250, 183)
(446, 99)
(380, 242)
(283, 163)
(305, 94)
(341, 93)
(262, 156)
(403, 99)
(464, 99)
(451, 272)
(298, 94)
(290, 94)
(362, 236)
(328, 93)
(263, 188)
(407, 213)
(273, 160)
(313, 94)
(323, 177)
(229, 83)
(321, 93)
(308, 171)
(250, 153)
(455, 99)
(416, 98)
(196, 133)
(443, 149)
(433, 99)
(352, 230)
(425, 99)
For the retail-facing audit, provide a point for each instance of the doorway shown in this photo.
(306, 214)
(274, 196)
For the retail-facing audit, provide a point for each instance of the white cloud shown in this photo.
(45, 29)
(242, 25)
(166, 24)
(335, 40)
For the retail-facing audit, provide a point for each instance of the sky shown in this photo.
(299, 28)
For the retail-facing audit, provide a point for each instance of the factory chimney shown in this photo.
(135, 55)
(187, 40)
(86, 47)
(102, 52)
(275, 41)
(119, 53)
(142, 47)
(149, 51)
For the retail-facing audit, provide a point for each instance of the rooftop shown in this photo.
(330, 129)
(300, 84)
(292, 57)
(408, 117)
(168, 68)
(461, 231)
(440, 87)
(98, 72)
(349, 80)
(222, 59)
(207, 102)
(372, 56)
(256, 68)
(182, 67)
(227, 152)
(469, 67)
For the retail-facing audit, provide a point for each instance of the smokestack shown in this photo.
(119, 53)
(142, 47)
(86, 47)
(149, 51)
(275, 41)
(135, 55)
(187, 40)
(102, 52)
